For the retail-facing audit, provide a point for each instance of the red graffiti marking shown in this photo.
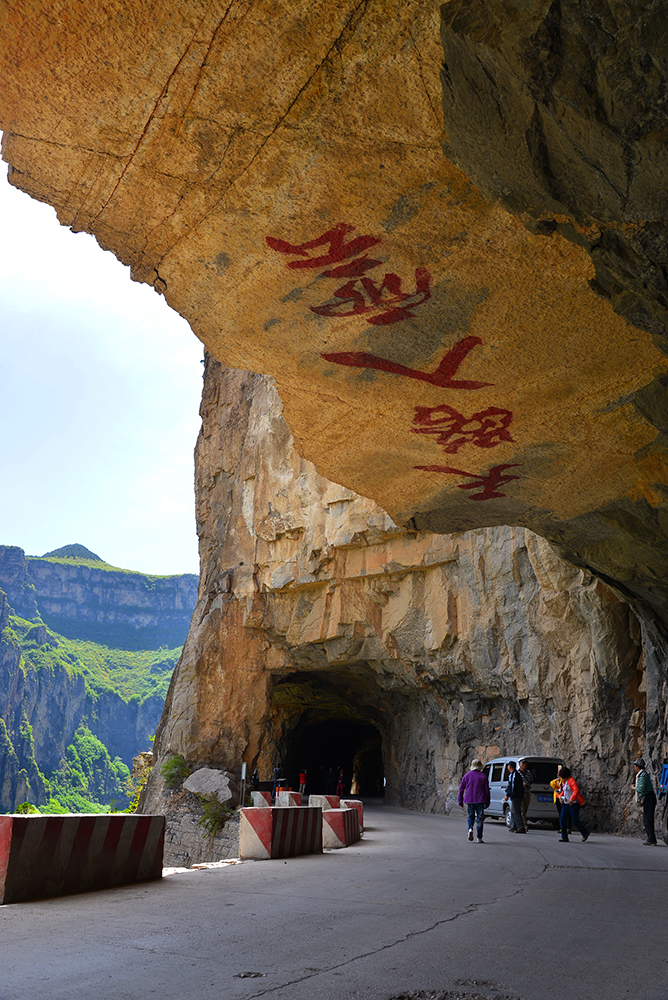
(359, 295)
(334, 238)
(452, 430)
(487, 483)
(443, 377)
(395, 306)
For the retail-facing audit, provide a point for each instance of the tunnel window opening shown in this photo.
(325, 747)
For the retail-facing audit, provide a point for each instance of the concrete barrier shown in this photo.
(43, 856)
(288, 798)
(355, 804)
(261, 799)
(340, 827)
(279, 833)
(324, 801)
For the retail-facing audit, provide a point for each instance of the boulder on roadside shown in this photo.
(208, 782)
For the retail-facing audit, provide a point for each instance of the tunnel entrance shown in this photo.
(323, 748)
(323, 725)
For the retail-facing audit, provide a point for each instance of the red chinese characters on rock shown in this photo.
(443, 376)
(334, 238)
(488, 483)
(360, 294)
(452, 430)
(383, 302)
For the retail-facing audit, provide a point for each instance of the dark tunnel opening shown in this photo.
(324, 748)
(322, 724)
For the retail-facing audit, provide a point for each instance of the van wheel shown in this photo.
(506, 816)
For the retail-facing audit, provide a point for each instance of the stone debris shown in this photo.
(208, 782)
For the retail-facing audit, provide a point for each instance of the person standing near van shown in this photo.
(515, 796)
(645, 797)
(571, 800)
(527, 781)
(474, 793)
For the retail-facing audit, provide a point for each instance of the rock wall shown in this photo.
(315, 610)
(277, 171)
(120, 603)
(44, 698)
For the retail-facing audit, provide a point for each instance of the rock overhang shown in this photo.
(279, 176)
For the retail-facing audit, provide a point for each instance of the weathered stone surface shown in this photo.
(208, 782)
(187, 844)
(560, 111)
(315, 609)
(186, 135)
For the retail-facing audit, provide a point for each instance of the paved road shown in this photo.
(414, 907)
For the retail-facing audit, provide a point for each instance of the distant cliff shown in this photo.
(81, 643)
(88, 599)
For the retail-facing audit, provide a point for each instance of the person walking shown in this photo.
(571, 800)
(278, 775)
(515, 796)
(340, 784)
(474, 793)
(645, 797)
(303, 778)
(557, 785)
(527, 781)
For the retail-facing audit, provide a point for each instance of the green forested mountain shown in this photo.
(79, 701)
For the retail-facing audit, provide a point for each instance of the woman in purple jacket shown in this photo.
(474, 792)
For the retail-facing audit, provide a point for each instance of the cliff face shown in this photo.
(50, 687)
(89, 601)
(467, 356)
(325, 634)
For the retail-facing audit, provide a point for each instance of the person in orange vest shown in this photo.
(303, 778)
(571, 800)
(556, 785)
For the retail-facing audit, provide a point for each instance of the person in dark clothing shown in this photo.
(278, 776)
(527, 780)
(645, 797)
(515, 796)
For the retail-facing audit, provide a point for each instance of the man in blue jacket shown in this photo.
(515, 796)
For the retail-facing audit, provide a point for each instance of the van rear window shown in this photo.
(542, 771)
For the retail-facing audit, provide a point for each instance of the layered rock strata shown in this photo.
(277, 172)
(98, 602)
(318, 614)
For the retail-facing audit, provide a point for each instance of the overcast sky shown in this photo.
(100, 385)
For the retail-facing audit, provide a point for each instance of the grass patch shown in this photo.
(215, 815)
(175, 771)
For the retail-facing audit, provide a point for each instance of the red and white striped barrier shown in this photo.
(42, 856)
(279, 832)
(355, 804)
(340, 828)
(261, 799)
(324, 801)
(288, 798)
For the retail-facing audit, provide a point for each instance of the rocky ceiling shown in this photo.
(441, 230)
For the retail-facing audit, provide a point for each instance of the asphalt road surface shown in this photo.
(414, 910)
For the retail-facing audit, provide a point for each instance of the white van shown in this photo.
(541, 808)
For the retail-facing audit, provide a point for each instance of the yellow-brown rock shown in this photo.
(276, 171)
(319, 619)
